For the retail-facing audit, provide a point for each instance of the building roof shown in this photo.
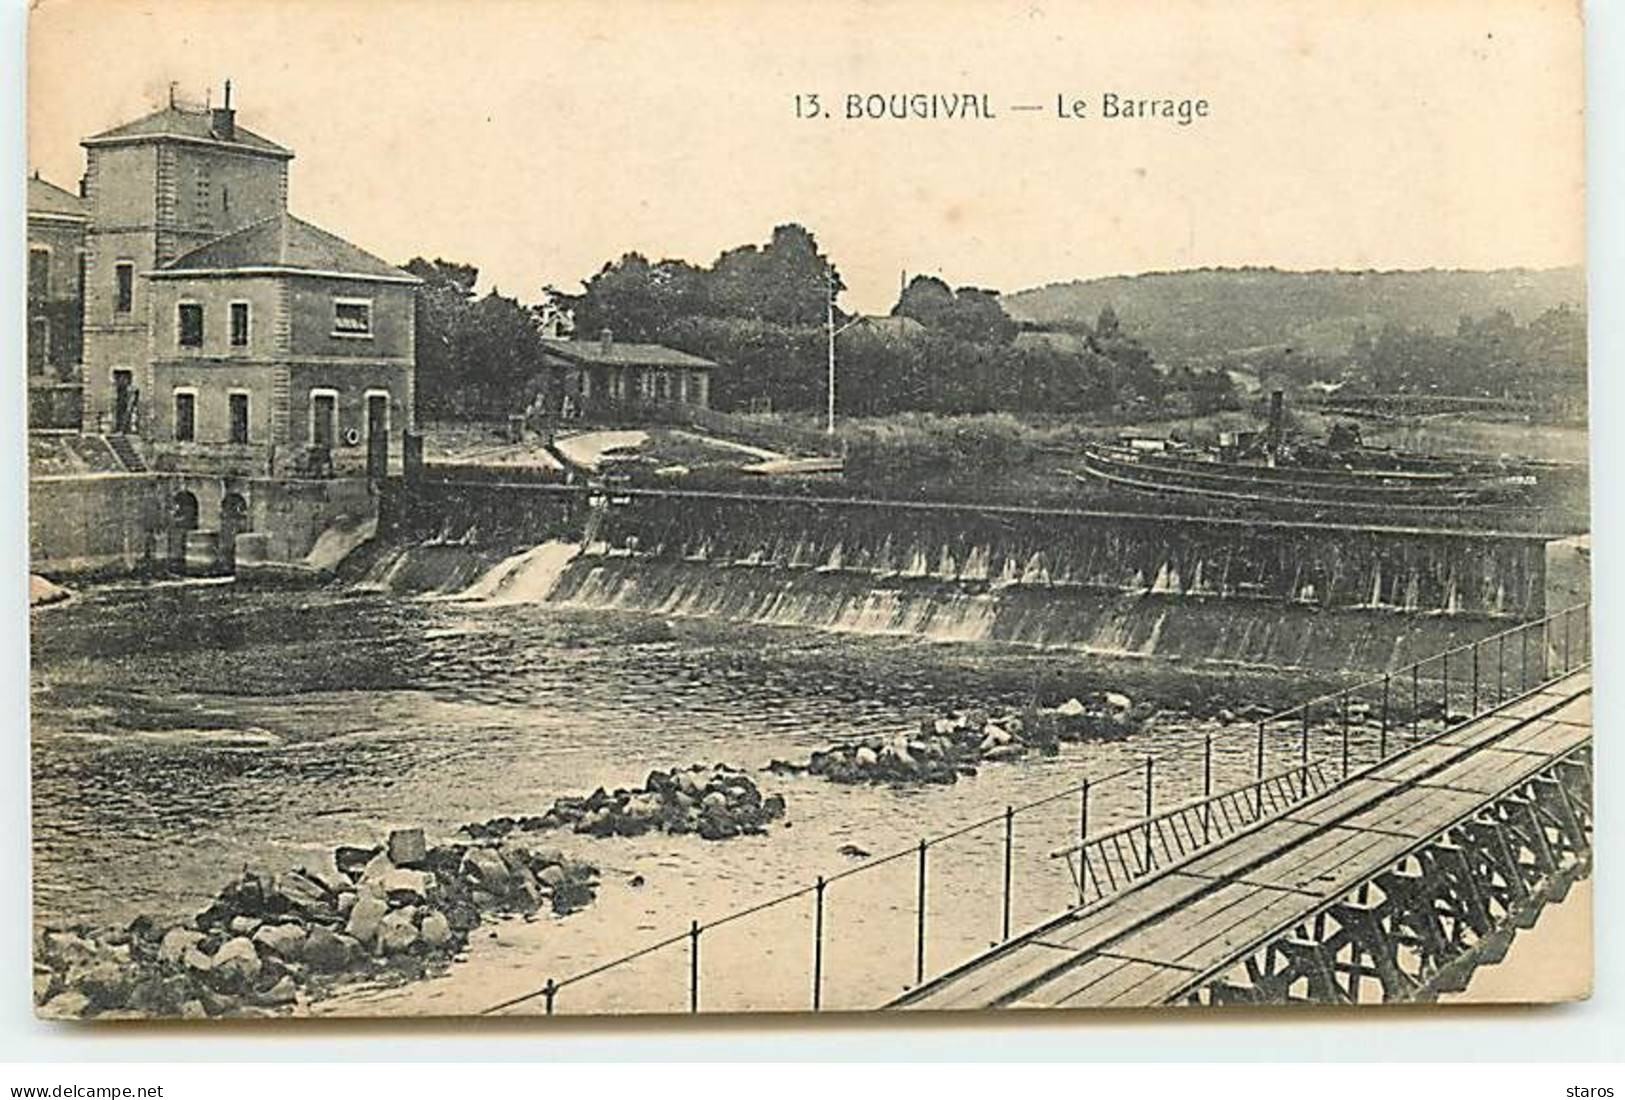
(891, 324)
(45, 197)
(283, 243)
(617, 353)
(186, 123)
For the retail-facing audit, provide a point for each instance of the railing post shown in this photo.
(694, 966)
(1446, 658)
(1148, 762)
(1345, 743)
(1474, 712)
(549, 992)
(1500, 667)
(818, 944)
(1009, 863)
(1567, 615)
(1303, 739)
(1382, 742)
(919, 930)
(1416, 700)
(1523, 658)
(1083, 835)
(1258, 775)
(1207, 789)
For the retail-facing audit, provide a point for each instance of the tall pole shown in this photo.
(829, 322)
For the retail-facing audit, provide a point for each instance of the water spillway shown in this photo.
(1180, 588)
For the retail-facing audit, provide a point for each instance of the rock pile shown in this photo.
(269, 942)
(945, 748)
(717, 802)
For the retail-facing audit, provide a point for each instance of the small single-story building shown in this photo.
(607, 370)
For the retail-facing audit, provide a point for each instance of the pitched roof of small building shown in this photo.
(284, 243)
(191, 123)
(618, 353)
(45, 197)
(895, 324)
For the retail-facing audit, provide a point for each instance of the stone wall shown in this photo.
(125, 523)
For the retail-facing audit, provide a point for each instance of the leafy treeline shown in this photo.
(1194, 315)
(1490, 356)
(477, 357)
(760, 313)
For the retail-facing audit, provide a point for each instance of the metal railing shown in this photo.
(934, 905)
(1142, 848)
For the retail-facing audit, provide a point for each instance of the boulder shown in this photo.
(283, 992)
(244, 926)
(487, 867)
(197, 961)
(193, 1010)
(285, 941)
(1117, 700)
(866, 757)
(407, 848)
(237, 960)
(415, 885)
(106, 984)
(551, 875)
(350, 860)
(68, 1005)
(377, 867)
(397, 932)
(176, 943)
(365, 917)
(1072, 708)
(304, 893)
(435, 929)
(327, 951)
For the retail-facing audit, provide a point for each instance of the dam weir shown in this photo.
(1191, 589)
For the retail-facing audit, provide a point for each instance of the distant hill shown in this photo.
(1185, 316)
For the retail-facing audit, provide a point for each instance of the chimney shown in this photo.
(224, 119)
(606, 339)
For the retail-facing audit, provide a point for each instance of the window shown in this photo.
(185, 416)
(323, 418)
(124, 285)
(238, 405)
(39, 344)
(39, 273)
(239, 324)
(352, 317)
(189, 325)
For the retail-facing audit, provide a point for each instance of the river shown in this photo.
(184, 730)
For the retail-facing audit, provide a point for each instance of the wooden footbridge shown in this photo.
(1393, 884)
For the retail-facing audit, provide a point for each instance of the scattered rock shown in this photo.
(237, 961)
(286, 941)
(435, 929)
(407, 848)
(365, 917)
(398, 931)
(176, 943)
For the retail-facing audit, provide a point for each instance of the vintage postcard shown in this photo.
(549, 508)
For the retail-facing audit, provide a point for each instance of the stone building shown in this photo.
(605, 371)
(56, 273)
(221, 334)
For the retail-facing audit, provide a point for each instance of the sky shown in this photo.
(538, 139)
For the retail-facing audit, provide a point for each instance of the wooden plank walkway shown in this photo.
(1149, 943)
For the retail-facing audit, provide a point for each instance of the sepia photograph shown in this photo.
(540, 508)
